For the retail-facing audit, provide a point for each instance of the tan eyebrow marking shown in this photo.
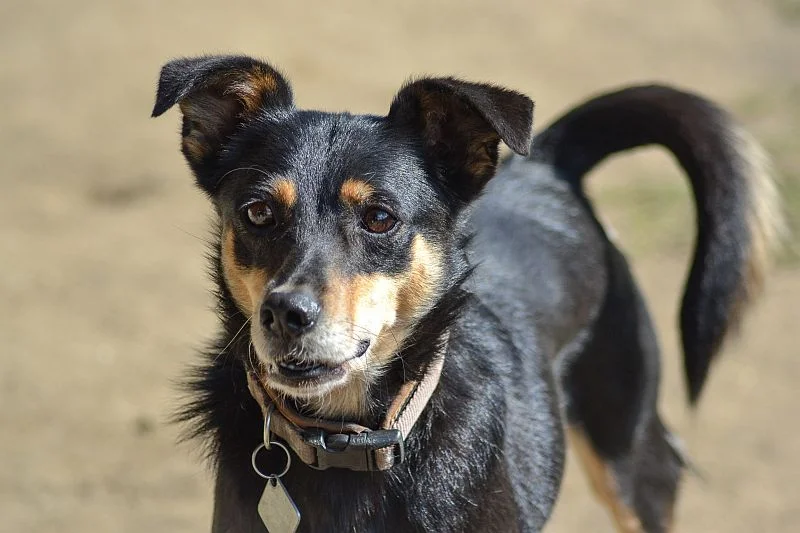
(355, 191)
(285, 192)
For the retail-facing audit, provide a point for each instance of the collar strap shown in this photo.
(324, 444)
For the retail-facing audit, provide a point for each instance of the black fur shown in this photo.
(702, 137)
(536, 299)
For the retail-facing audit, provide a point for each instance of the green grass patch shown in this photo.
(652, 215)
(773, 116)
(790, 192)
(788, 10)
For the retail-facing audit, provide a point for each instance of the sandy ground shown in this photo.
(103, 296)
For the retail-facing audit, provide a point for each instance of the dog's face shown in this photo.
(327, 247)
(337, 230)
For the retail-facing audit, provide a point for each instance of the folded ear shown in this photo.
(461, 125)
(216, 94)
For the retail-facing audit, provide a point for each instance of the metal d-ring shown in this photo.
(271, 476)
(267, 422)
(267, 445)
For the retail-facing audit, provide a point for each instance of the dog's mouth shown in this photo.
(303, 372)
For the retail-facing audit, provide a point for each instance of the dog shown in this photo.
(414, 327)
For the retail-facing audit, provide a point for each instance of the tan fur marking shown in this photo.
(481, 138)
(194, 147)
(376, 301)
(207, 116)
(367, 306)
(333, 297)
(355, 191)
(285, 192)
(210, 115)
(246, 284)
(480, 161)
(195, 143)
(603, 483)
(383, 308)
(416, 290)
(252, 86)
(372, 305)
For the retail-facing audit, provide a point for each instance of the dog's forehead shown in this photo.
(324, 155)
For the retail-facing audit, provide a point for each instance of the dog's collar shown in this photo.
(324, 444)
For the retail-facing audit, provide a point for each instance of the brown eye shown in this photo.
(259, 214)
(378, 220)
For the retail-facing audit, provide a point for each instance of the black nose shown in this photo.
(289, 313)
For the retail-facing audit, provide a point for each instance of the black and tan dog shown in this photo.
(430, 325)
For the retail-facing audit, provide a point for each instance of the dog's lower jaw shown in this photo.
(343, 399)
(346, 397)
(349, 401)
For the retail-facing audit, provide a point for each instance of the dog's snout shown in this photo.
(289, 313)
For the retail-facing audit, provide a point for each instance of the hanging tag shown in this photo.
(277, 509)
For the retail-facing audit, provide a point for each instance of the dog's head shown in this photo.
(337, 230)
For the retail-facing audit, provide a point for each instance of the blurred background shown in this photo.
(103, 293)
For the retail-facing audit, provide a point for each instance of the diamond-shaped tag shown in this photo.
(276, 508)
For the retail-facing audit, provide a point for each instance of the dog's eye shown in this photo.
(378, 220)
(259, 214)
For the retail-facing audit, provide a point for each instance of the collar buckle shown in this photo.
(368, 451)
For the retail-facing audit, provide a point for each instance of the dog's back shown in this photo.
(565, 292)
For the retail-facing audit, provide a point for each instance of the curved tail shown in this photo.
(738, 215)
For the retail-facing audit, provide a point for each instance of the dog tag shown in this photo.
(276, 508)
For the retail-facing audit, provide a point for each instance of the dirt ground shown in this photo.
(103, 294)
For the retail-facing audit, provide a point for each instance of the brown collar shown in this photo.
(323, 444)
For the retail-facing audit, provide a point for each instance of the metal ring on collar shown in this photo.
(267, 421)
(272, 476)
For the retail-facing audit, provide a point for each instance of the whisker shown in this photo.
(253, 362)
(261, 171)
(190, 234)
(233, 338)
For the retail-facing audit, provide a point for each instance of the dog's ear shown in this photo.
(461, 125)
(216, 94)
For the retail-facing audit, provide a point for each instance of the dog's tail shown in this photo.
(738, 214)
